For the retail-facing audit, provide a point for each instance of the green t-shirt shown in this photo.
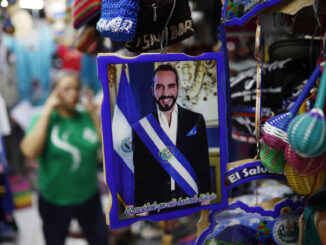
(68, 163)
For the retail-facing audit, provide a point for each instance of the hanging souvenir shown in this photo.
(305, 141)
(275, 129)
(167, 20)
(162, 160)
(272, 222)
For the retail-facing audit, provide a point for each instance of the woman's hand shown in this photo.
(52, 102)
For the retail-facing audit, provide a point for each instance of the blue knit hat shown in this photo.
(118, 19)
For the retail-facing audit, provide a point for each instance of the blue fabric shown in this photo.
(125, 100)
(176, 153)
(33, 64)
(125, 180)
(141, 76)
(124, 177)
(89, 72)
(118, 19)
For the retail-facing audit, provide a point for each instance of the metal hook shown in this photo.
(165, 32)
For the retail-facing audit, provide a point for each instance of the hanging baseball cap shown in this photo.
(154, 17)
(85, 12)
(118, 19)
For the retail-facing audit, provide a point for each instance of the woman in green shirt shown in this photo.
(65, 142)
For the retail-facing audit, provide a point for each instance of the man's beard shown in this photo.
(166, 107)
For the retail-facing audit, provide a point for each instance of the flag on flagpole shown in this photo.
(125, 114)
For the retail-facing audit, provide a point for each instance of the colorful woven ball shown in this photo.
(305, 166)
(274, 131)
(307, 133)
(273, 160)
(304, 185)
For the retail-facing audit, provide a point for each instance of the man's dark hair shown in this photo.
(167, 67)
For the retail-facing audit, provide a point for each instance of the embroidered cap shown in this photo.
(118, 19)
(152, 18)
(85, 12)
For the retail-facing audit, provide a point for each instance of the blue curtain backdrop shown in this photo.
(140, 77)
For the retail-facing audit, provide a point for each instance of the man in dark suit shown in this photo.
(186, 130)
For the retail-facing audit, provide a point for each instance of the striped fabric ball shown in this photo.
(273, 160)
(307, 133)
(305, 166)
(86, 40)
(304, 185)
(85, 11)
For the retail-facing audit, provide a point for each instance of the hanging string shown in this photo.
(165, 32)
(258, 56)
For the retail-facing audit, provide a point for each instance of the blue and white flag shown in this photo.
(125, 113)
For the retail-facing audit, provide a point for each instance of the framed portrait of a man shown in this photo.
(164, 135)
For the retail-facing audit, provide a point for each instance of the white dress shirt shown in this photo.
(170, 130)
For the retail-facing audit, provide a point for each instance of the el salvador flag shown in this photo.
(125, 114)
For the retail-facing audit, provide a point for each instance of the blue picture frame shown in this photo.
(231, 9)
(116, 219)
